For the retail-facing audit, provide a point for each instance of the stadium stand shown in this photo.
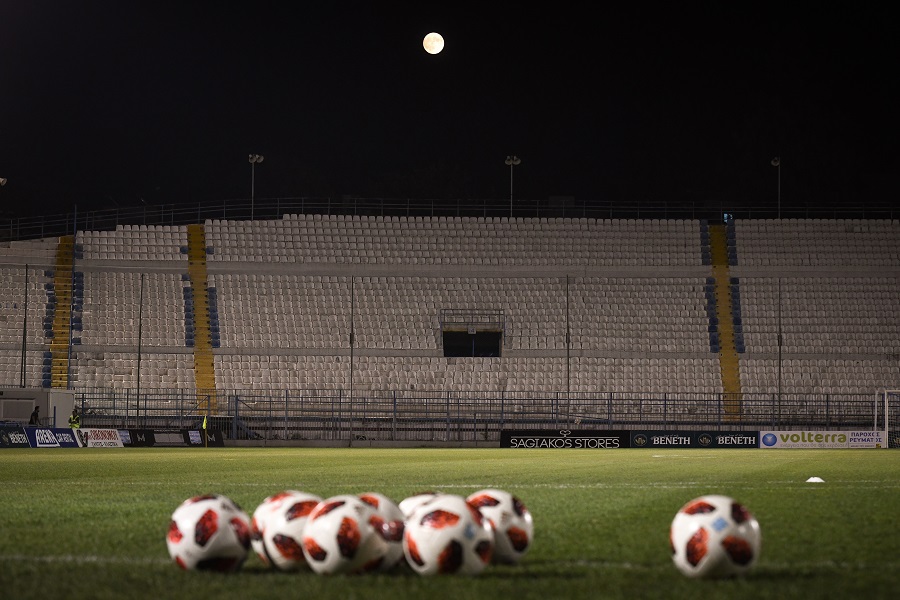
(358, 304)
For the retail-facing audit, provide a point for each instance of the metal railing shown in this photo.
(472, 319)
(465, 417)
(44, 226)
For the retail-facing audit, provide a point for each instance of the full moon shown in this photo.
(433, 43)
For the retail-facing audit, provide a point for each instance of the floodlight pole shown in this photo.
(511, 161)
(780, 341)
(776, 162)
(24, 329)
(139, 336)
(352, 345)
(254, 159)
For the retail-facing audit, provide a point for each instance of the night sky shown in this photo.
(106, 104)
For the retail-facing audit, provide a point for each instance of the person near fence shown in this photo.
(35, 419)
(74, 419)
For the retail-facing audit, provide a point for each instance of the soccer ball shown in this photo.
(209, 533)
(260, 518)
(408, 505)
(714, 537)
(343, 535)
(282, 530)
(447, 534)
(264, 512)
(512, 522)
(391, 527)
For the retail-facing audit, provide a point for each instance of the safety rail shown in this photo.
(186, 213)
(449, 416)
(460, 319)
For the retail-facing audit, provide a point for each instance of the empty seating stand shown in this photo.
(354, 302)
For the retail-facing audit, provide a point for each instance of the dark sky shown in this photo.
(111, 103)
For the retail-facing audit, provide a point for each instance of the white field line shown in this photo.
(867, 484)
(822, 565)
(677, 486)
(829, 566)
(100, 560)
(466, 488)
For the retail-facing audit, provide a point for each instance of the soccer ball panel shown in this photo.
(340, 536)
(512, 521)
(447, 535)
(209, 532)
(409, 504)
(714, 536)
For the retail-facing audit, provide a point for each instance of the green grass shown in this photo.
(91, 523)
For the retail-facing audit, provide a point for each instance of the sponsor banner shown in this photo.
(137, 437)
(195, 437)
(564, 439)
(694, 439)
(867, 439)
(66, 437)
(169, 437)
(13, 438)
(43, 437)
(99, 438)
(187, 437)
(821, 439)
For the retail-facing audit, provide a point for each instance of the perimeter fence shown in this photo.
(464, 417)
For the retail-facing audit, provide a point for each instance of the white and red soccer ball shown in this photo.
(512, 522)
(713, 537)
(343, 534)
(391, 526)
(260, 518)
(447, 535)
(410, 503)
(279, 522)
(209, 533)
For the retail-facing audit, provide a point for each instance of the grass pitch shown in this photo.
(91, 523)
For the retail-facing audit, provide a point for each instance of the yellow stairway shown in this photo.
(204, 369)
(729, 366)
(62, 314)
